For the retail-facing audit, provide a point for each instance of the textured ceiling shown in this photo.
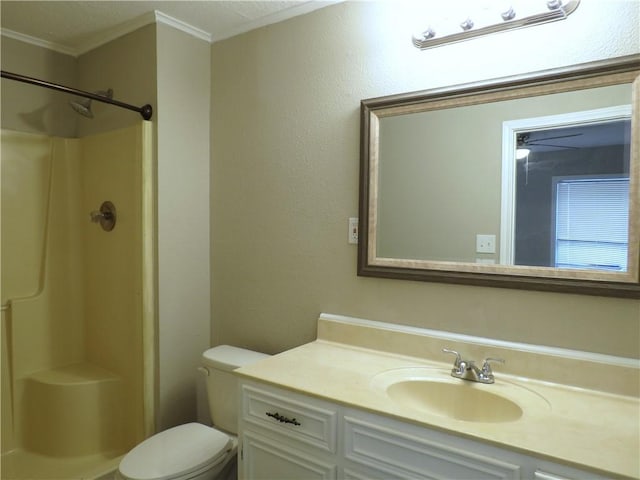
(75, 24)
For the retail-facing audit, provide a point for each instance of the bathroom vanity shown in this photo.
(373, 400)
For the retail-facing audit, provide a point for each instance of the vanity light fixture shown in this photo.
(497, 21)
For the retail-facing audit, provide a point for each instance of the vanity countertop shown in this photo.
(584, 428)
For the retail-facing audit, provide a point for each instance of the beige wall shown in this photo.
(284, 178)
(27, 108)
(183, 219)
(128, 66)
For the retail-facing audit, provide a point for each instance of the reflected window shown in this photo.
(572, 195)
(591, 223)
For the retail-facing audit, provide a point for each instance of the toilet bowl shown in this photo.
(191, 451)
(195, 451)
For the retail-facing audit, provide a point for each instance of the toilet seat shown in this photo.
(176, 453)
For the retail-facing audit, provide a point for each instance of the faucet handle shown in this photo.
(486, 366)
(453, 352)
(459, 366)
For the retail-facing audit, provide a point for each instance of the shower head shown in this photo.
(83, 107)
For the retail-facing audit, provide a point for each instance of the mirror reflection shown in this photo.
(571, 196)
(438, 192)
(504, 184)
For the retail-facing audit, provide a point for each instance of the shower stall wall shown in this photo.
(77, 302)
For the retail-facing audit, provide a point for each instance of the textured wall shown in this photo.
(27, 108)
(183, 219)
(128, 66)
(284, 180)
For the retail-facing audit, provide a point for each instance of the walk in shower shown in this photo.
(77, 301)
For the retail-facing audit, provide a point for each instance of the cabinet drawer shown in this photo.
(371, 444)
(296, 417)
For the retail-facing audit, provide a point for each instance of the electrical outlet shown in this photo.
(485, 244)
(353, 230)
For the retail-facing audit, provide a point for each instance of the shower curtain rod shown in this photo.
(146, 110)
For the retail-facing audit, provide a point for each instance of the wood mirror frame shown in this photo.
(623, 70)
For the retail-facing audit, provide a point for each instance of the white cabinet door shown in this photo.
(377, 442)
(265, 459)
(387, 444)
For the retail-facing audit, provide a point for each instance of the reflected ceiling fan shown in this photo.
(524, 140)
(525, 143)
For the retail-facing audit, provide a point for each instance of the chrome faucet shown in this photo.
(468, 370)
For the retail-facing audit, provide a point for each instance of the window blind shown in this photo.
(592, 218)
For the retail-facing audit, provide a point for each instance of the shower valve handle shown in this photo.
(97, 216)
(106, 216)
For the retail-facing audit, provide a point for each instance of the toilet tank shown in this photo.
(222, 384)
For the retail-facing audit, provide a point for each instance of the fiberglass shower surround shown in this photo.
(73, 321)
(75, 386)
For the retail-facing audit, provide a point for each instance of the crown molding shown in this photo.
(112, 34)
(38, 42)
(182, 26)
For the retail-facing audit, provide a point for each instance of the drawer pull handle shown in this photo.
(283, 419)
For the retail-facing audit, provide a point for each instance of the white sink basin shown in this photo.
(435, 392)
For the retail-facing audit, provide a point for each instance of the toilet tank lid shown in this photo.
(226, 357)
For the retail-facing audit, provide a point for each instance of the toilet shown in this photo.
(195, 451)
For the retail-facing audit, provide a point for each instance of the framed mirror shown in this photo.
(527, 182)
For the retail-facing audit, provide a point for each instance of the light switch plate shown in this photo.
(353, 230)
(485, 244)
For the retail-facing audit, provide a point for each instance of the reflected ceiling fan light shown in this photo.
(522, 153)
